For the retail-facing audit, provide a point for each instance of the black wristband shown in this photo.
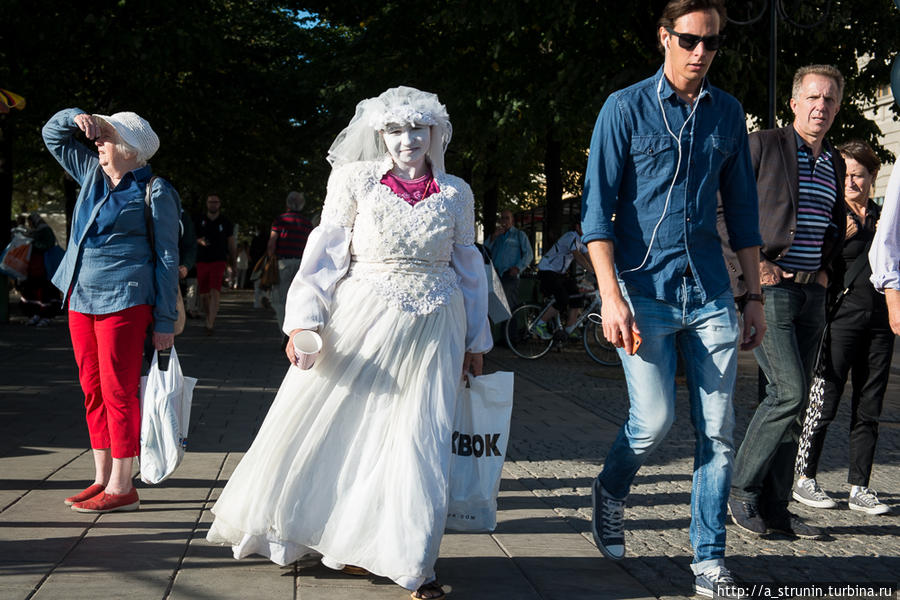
(748, 297)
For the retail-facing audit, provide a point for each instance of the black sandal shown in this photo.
(426, 590)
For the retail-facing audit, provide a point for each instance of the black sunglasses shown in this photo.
(689, 41)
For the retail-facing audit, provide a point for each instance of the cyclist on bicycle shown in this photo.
(552, 275)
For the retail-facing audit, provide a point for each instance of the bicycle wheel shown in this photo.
(520, 335)
(598, 347)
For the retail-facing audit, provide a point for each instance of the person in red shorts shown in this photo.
(215, 250)
(287, 241)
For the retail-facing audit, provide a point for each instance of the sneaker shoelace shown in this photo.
(750, 507)
(719, 575)
(812, 488)
(613, 517)
(867, 497)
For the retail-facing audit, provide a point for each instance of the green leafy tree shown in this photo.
(247, 96)
(524, 81)
(220, 81)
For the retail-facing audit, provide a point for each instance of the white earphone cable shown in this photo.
(677, 169)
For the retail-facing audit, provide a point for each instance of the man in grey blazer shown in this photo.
(800, 183)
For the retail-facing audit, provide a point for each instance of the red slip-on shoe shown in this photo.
(85, 494)
(105, 503)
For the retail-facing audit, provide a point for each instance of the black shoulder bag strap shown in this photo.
(850, 277)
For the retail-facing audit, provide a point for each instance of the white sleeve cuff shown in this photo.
(325, 261)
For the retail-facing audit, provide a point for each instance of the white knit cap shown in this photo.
(134, 131)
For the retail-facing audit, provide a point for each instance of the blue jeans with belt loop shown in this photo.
(764, 467)
(706, 333)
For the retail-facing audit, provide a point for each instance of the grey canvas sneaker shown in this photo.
(807, 491)
(608, 522)
(716, 583)
(867, 501)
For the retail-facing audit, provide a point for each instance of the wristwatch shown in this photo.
(748, 297)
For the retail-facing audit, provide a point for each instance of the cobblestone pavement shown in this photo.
(567, 412)
(560, 468)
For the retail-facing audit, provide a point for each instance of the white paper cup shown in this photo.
(307, 345)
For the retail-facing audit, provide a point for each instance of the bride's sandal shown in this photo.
(354, 570)
(429, 591)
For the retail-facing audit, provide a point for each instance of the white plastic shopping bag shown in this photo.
(480, 438)
(14, 260)
(498, 307)
(165, 418)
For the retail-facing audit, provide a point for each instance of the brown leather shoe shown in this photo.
(85, 494)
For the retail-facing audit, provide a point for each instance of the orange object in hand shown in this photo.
(635, 344)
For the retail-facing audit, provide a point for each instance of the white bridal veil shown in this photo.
(361, 139)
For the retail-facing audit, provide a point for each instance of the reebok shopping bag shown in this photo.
(498, 307)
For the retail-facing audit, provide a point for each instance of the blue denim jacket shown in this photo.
(632, 162)
(110, 268)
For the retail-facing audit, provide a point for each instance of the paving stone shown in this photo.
(567, 412)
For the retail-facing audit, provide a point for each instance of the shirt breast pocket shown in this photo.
(720, 149)
(652, 155)
(131, 218)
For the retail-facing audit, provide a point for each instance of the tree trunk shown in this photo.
(6, 187)
(491, 197)
(6, 178)
(553, 210)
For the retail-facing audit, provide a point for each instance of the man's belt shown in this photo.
(804, 277)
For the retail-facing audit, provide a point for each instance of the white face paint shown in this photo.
(407, 144)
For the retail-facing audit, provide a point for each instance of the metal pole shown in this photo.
(773, 58)
(761, 380)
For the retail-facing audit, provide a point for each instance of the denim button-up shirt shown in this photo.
(108, 266)
(633, 161)
(510, 249)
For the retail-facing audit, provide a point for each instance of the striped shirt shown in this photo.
(292, 230)
(817, 194)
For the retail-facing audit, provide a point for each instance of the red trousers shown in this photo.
(108, 350)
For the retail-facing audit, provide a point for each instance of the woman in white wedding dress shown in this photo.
(351, 462)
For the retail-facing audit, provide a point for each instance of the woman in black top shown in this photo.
(859, 343)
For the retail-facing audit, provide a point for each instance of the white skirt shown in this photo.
(351, 462)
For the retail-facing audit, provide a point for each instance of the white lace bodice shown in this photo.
(402, 251)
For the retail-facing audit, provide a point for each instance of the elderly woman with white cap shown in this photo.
(351, 463)
(119, 274)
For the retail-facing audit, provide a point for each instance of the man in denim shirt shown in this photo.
(661, 151)
(511, 254)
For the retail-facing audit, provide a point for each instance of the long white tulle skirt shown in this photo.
(352, 459)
